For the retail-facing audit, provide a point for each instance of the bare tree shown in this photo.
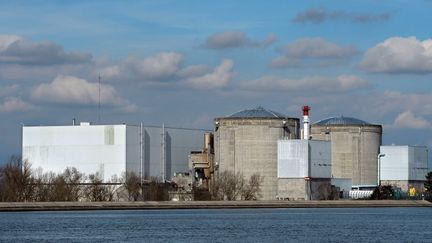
(230, 186)
(73, 179)
(95, 190)
(16, 181)
(132, 183)
(252, 190)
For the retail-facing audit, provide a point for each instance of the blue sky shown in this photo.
(183, 63)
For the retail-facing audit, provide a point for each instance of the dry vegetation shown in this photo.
(18, 183)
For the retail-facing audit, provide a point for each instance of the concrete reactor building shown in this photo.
(355, 146)
(246, 142)
(110, 150)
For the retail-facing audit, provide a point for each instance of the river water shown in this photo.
(221, 225)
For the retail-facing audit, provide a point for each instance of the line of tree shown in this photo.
(18, 183)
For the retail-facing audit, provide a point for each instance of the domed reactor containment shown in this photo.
(355, 146)
(246, 142)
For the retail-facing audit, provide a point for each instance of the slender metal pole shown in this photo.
(141, 152)
(99, 100)
(163, 153)
(379, 168)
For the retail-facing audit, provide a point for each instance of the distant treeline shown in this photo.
(19, 183)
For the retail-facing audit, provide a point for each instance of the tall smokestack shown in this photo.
(306, 125)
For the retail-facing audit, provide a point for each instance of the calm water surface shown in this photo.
(221, 225)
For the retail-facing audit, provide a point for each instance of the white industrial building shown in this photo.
(304, 169)
(403, 166)
(110, 150)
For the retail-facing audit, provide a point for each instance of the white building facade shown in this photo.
(110, 150)
(403, 166)
(304, 169)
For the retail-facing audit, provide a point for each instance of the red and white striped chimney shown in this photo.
(306, 125)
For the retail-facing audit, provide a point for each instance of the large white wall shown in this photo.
(403, 162)
(111, 149)
(91, 149)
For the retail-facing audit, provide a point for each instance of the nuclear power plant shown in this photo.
(296, 159)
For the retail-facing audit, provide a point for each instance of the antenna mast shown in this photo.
(99, 100)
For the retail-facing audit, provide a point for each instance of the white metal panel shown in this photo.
(304, 158)
(91, 149)
(320, 159)
(394, 165)
(133, 153)
(293, 158)
(418, 163)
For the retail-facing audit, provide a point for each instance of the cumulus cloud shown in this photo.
(15, 104)
(167, 68)
(75, 91)
(295, 53)
(320, 15)
(408, 120)
(17, 50)
(161, 66)
(342, 83)
(236, 39)
(399, 55)
(218, 78)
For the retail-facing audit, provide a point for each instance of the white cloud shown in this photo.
(342, 83)
(8, 90)
(14, 104)
(318, 48)
(76, 91)
(166, 69)
(236, 39)
(305, 49)
(408, 120)
(218, 78)
(161, 66)
(16, 50)
(6, 40)
(399, 55)
(320, 15)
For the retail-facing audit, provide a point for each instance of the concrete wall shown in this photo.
(300, 189)
(249, 146)
(354, 150)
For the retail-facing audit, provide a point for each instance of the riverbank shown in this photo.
(55, 206)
